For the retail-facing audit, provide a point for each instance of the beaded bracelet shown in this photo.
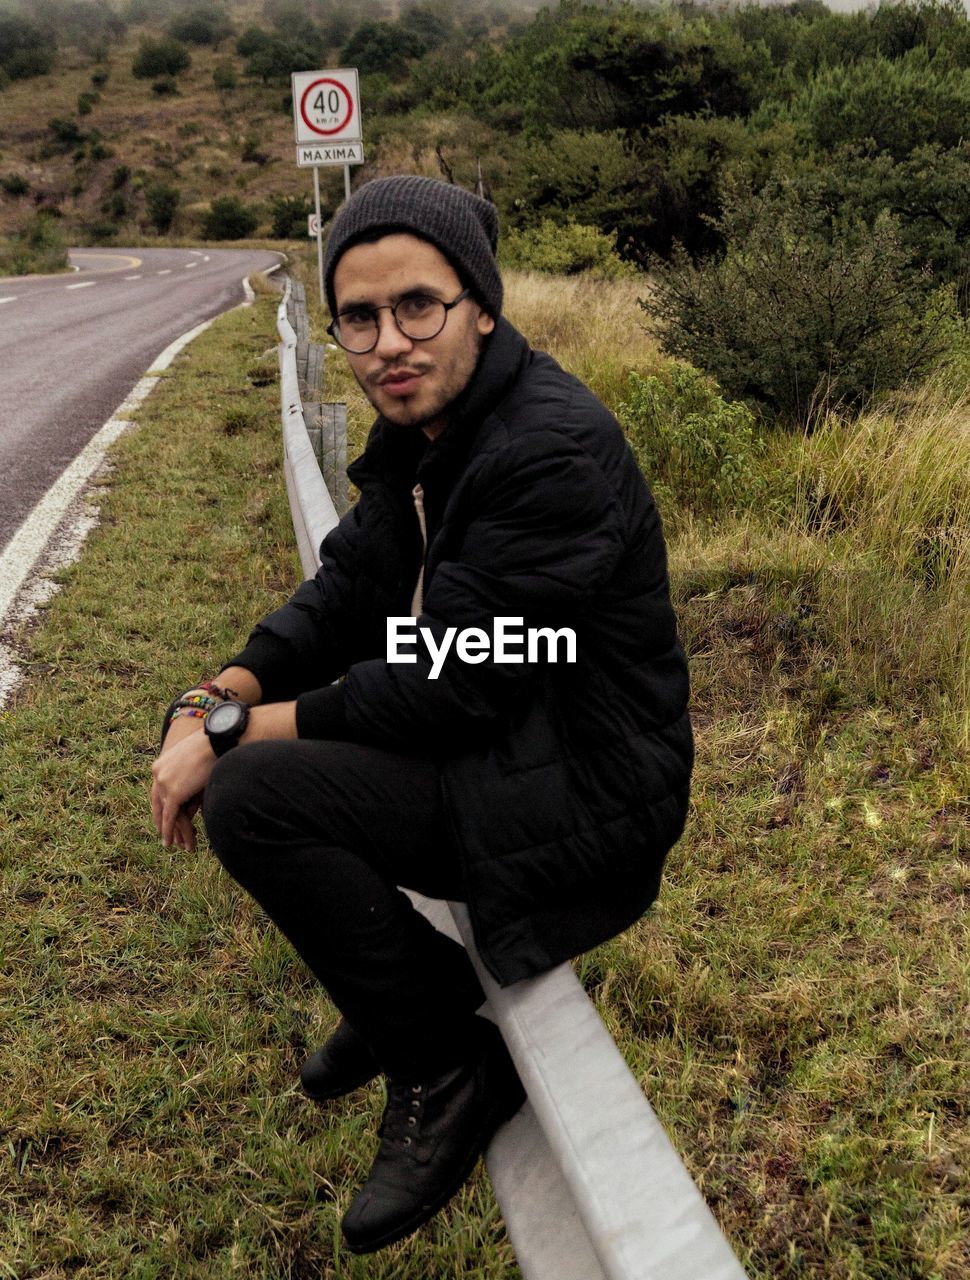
(189, 703)
(203, 700)
(210, 686)
(197, 701)
(200, 712)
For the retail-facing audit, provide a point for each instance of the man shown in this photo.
(543, 791)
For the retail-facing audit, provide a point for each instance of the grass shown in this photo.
(152, 1024)
(794, 1007)
(38, 247)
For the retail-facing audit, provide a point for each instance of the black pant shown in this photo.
(321, 834)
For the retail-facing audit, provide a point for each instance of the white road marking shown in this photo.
(132, 277)
(190, 264)
(205, 257)
(29, 548)
(9, 298)
(30, 543)
(166, 272)
(83, 284)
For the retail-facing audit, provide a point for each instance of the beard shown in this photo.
(442, 377)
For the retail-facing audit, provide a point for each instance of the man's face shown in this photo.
(410, 382)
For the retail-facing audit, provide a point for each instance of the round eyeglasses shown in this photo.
(416, 315)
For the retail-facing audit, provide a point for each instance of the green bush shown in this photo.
(289, 215)
(229, 219)
(897, 104)
(99, 78)
(802, 311)
(162, 202)
(101, 232)
(274, 57)
(564, 250)
(699, 452)
(386, 47)
(65, 134)
(165, 57)
(25, 49)
(251, 154)
(116, 206)
(85, 103)
(97, 147)
(585, 177)
(252, 40)
(224, 76)
(14, 184)
(167, 87)
(201, 25)
(40, 247)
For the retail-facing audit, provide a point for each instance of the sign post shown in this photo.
(326, 121)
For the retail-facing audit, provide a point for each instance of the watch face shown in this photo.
(227, 717)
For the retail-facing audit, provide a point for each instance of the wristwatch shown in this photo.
(225, 724)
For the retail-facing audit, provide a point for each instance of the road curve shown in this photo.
(72, 346)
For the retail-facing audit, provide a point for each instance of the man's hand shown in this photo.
(179, 777)
(175, 769)
(186, 760)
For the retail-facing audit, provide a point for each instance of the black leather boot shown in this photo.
(431, 1135)
(341, 1064)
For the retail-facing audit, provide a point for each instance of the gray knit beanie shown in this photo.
(461, 225)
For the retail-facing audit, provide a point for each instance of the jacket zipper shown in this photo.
(417, 600)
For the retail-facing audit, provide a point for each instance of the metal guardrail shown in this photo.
(301, 377)
(589, 1185)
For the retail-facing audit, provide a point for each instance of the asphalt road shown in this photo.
(73, 346)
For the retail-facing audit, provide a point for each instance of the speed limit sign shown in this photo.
(326, 106)
(326, 117)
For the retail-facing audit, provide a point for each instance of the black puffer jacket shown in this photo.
(565, 784)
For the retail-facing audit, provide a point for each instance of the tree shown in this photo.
(899, 104)
(252, 40)
(585, 177)
(277, 56)
(201, 25)
(585, 68)
(65, 134)
(926, 192)
(381, 47)
(430, 28)
(165, 57)
(25, 50)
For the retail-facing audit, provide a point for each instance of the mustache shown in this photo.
(395, 370)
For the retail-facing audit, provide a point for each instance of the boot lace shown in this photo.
(402, 1115)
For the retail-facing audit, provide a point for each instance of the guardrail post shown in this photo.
(333, 452)
(314, 370)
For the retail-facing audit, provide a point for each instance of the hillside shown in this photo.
(205, 141)
(88, 140)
